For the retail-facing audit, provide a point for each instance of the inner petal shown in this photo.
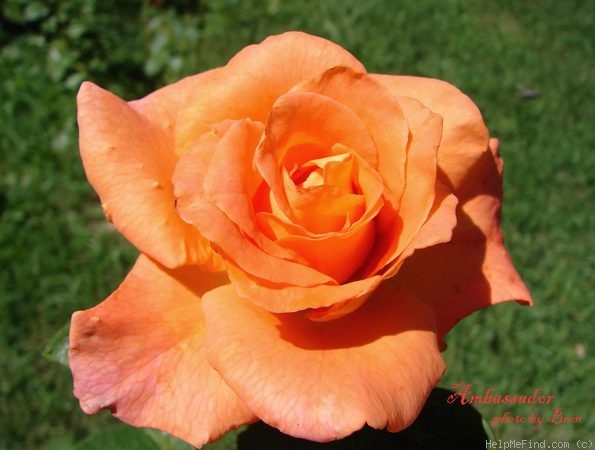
(334, 170)
(322, 208)
(350, 244)
(304, 127)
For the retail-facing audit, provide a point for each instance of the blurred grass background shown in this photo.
(527, 64)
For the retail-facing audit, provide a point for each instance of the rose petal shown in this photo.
(473, 270)
(350, 245)
(420, 184)
(437, 229)
(235, 247)
(277, 297)
(129, 161)
(233, 193)
(378, 111)
(323, 381)
(303, 126)
(140, 354)
(464, 137)
(163, 105)
(322, 209)
(216, 225)
(252, 81)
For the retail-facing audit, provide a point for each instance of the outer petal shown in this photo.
(162, 106)
(256, 77)
(140, 354)
(473, 270)
(464, 137)
(129, 160)
(323, 381)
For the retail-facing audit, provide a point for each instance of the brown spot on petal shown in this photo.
(89, 333)
(91, 326)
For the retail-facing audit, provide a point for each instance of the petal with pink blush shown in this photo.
(129, 160)
(324, 380)
(438, 229)
(141, 355)
(474, 269)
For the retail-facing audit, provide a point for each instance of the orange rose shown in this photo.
(309, 233)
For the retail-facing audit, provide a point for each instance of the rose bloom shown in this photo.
(308, 232)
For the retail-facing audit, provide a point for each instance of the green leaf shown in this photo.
(57, 348)
(166, 441)
(35, 11)
(117, 437)
(227, 442)
(491, 436)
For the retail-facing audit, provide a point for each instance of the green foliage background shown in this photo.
(527, 64)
